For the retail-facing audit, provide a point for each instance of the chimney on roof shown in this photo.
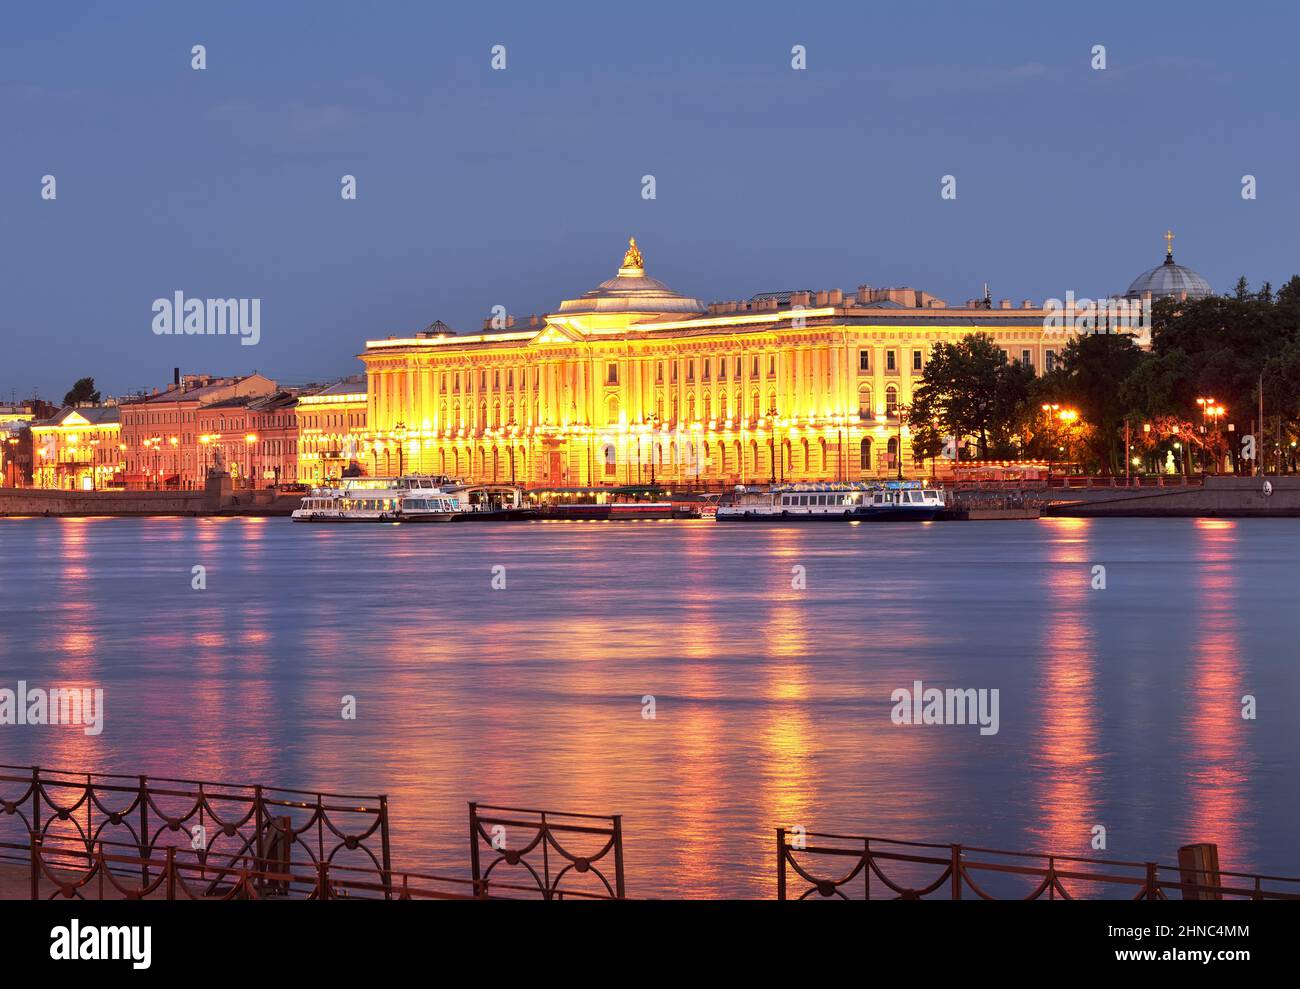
(176, 376)
(1004, 304)
(835, 297)
(864, 294)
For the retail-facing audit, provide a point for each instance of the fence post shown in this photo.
(956, 872)
(386, 853)
(322, 879)
(1152, 880)
(618, 855)
(866, 869)
(780, 863)
(35, 849)
(259, 847)
(145, 843)
(36, 797)
(473, 842)
(171, 872)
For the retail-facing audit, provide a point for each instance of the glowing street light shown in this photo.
(249, 440)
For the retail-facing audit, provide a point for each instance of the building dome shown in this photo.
(632, 291)
(1169, 279)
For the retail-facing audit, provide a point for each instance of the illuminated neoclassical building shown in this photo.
(633, 381)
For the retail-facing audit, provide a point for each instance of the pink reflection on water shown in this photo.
(1068, 701)
(1214, 731)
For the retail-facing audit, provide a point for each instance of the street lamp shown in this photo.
(510, 445)
(652, 421)
(249, 440)
(155, 443)
(771, 443)
(11, 464)
(94, 465)
(399, 433)
(902, 411)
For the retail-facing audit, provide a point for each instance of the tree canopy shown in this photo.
(81, 392)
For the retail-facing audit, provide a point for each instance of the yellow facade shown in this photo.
(79, 450)
(331, 431)
(633, 381)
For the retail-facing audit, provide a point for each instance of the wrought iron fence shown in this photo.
(98, 835)
(814, 866)
(551, 852)
(64, 869)
(221, 823)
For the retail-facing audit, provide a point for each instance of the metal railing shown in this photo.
(815, 865)
(544, 846)
(99, 835)
(222, 823)
(60, 868)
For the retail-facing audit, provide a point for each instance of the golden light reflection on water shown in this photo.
(1214, 731)
(74, 662)
(1068, 701)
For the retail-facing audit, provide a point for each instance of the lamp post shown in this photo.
(1067, 416)
(653, 422)
(249, 440)
(175, 460)
(156, 443)
(94, 465)
(771, 442)
(399, 434)
(510, 447)
(901, 411)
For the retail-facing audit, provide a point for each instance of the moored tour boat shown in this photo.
(855, 501)
(411, 498)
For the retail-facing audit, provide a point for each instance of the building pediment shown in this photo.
(556, 333)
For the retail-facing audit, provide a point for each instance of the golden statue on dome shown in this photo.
(632, 259)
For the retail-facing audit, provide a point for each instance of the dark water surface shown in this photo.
(1119, 707)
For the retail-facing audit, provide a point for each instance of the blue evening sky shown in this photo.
(520, 187)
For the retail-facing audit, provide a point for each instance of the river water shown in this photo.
(1120, 707)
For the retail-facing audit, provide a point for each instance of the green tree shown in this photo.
(968, 388)
(82, 391)
(1091, 378)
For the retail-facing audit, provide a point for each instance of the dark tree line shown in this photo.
(1221, 347)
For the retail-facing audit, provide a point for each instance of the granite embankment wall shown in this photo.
(1225, 497)
(32, 501)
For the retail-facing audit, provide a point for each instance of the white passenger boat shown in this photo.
(859, 501)
(410, 498)
(899, 501)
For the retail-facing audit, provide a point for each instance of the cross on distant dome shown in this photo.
(1169, 244)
